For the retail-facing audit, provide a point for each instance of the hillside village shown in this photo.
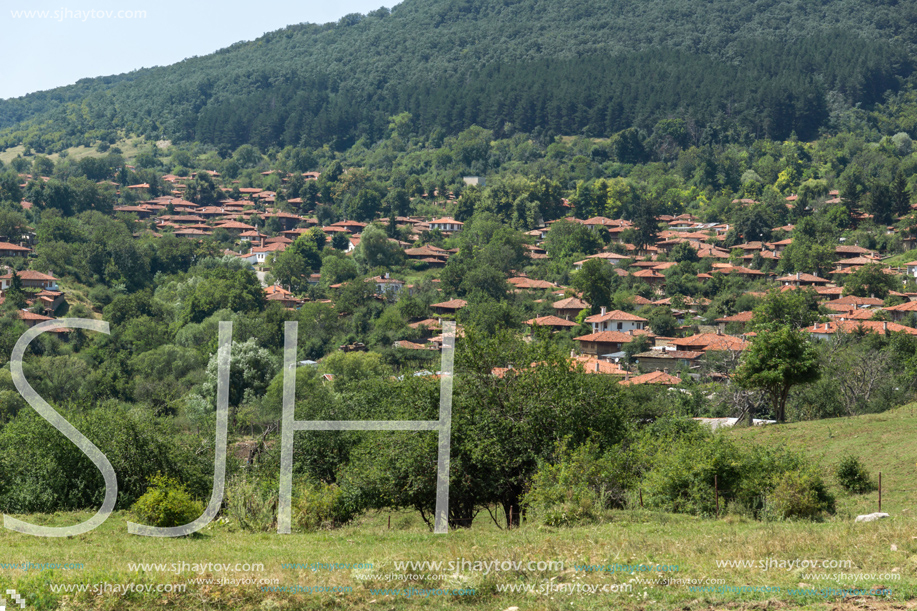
(261, 224)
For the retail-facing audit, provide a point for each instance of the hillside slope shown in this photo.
(883, 442)
(765, 67)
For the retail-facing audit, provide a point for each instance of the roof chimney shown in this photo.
(603, 310)
(884, 325)
(596, 366)
(797, 275)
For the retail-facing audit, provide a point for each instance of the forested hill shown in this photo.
(734, 67)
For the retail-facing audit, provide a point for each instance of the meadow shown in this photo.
(732, 562)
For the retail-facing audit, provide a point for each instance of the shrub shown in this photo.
(43, 471)
(853, 477)
(322, 505)
(166, 503)
(579, 485)
(683, 463)
(800, 493)
(253, 502)
(683, 473)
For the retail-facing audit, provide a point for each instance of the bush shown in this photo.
(682, 463)
(853, 477)
(683, 473)
(100, 296)
(253, 502)
(322, 505)
(43, 471)
(579, 485)
(801, 494)
(166, 503)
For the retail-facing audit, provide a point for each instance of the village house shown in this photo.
(603, 343)
(449, 307)
(616, 320)
(570, 307)
(446, 225)
(653, 377)
(666, 360)
(30, 280)
(386, 285)
(12, 250)
(556, 323)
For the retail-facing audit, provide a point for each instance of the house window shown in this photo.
(620, 326)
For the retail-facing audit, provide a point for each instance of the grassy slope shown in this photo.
(884, 442)
(900, 260)
(634, 537)
(129, 149)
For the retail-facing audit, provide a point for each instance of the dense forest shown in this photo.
(734, 70)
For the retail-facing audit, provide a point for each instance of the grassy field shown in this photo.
(129, 149)
(719, 555)
(884, 442)
(900, 260)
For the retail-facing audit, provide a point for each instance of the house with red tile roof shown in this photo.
(901, 311)
(616, 320)
(446, 224)
(524, 283)
(801, 279)
(603, 342)
(570, 307)
(741, 319)
(826, 330)
(609, 257)
(654, 377)
(30, 279)
(449, 307)
(556, 323)
(709, 342)
(593, 365)
(664, 360)
(13, 250)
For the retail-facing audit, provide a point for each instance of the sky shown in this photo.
(50, 43)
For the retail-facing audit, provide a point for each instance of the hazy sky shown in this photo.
(71, 42)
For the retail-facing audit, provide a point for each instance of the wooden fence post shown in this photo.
(716, 491)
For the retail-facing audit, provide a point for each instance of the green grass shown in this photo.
(631, 538)
(885, 442)
(129, 149)
(900, 260)
(696, 545)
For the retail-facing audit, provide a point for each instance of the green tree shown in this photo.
(16, 295)
(684, 252)
(251, 370)
(377, 250)
(776, 361)
(662, 322)
(900, 195)
(293, 266)
(806, 255)
(596, 281)
(796, 309)
(646, 227)
(567, 238)
(871, 281)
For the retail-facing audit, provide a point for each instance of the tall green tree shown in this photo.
(776, 361)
